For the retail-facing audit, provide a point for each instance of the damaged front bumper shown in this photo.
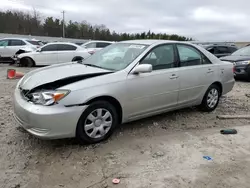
(16, 60)
(46, 122)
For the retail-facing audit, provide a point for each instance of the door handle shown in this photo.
(173, 76)
(210, 71)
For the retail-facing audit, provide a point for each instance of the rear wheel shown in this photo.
(27, 62)
(211, 99)
(77, 58)
(97, 123)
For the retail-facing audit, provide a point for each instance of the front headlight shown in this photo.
(242, 62)
(47, 98)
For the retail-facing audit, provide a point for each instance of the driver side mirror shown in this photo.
(39, 50)
(142, 68)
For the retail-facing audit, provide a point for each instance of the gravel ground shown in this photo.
(162, 151)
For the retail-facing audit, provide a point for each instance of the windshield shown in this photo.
(243, 51)
(116, 56)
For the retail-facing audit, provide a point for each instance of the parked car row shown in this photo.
(241, 61)
(9, 47)
(220, 50)
(52, 53)
(33, 52)
(240, 58)
(123, 82)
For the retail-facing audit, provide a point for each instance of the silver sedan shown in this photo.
(125, 81)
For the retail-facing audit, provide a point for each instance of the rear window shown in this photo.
(102, 44)
(37, 43)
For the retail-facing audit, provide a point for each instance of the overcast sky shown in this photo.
(213, 20)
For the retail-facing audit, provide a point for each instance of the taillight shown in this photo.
(234, 70)
(91, 52)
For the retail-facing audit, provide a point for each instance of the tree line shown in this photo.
(17, 22)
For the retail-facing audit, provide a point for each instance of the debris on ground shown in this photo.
(116, 181)
(233, 116)
(247, 95)
(207, 158)
(158, 154)
(13, 74)
(228, 131)
(16, 186)
(66, 154)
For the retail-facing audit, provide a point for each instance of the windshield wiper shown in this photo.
(91, 65)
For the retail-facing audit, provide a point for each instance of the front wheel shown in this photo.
(211, 99)
(97, 123)
(27, 62)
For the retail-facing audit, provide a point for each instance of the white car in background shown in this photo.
(52, 53)
(10, 46)
(95, 45)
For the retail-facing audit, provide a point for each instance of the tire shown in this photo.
(215, 92)
(248, 75)
(27, 62)
(77, 58)
(91, 134)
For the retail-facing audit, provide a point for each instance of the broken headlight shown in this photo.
(47, 98)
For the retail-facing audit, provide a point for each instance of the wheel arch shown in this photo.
(77, 58)
(219, 84)
(112, 101)
(27, 57)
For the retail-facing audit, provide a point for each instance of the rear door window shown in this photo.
(66, 47)
(49, 47)
(189, 56)
(16, 43)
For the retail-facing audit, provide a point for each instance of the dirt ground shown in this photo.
(162, 151)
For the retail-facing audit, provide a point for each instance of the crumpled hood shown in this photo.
(66, 72)
(234, 58)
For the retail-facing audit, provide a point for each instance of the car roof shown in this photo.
(19, 39)
(213, 45)
(70, 43)
(14, 39)
(98, 41)
(151, 41)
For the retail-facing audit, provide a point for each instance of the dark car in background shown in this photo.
(241, 61)
(221, 50)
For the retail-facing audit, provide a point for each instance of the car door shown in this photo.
(196, 74)
(154, 92)
(66, 52)
(14, 45)
(47, 55)
(4, 51)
